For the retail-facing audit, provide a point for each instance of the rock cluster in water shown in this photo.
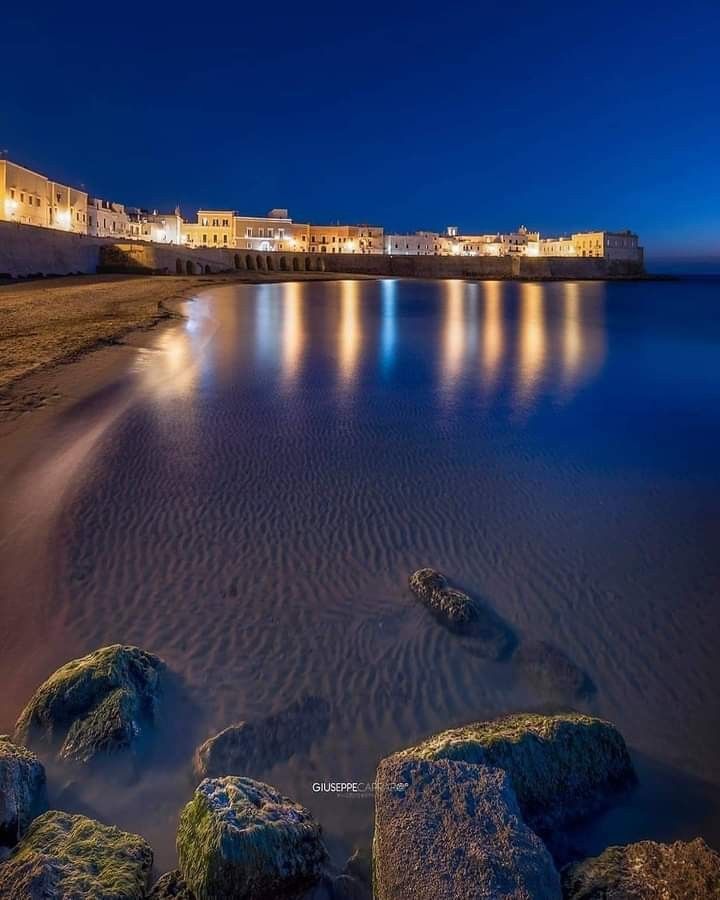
(99, 704)
(472, 812)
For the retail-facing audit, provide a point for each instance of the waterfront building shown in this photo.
(225, 228)
(345, 239)
(422, 243)
(608, 244)
(555, 246)
(107, 219)
(160, 228)
(30, 198)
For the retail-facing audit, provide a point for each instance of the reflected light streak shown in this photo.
(388, 334)
(293, 334)
(572, 337)
(453, 333)
(531, 343)
(350, 331)
(493, 334)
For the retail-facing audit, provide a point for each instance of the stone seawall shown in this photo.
(26, 250)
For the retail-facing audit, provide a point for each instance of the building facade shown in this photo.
(30, 198)
(151, 225)
(609, 244)
(422, 243)
(107, 219)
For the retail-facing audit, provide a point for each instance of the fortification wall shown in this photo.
(28, 250)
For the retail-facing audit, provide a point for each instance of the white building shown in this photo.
(422, 243)
(161, 228)
(107, 219)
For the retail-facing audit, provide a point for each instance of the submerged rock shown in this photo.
(646, 871)
(100, 703)
(71, 856)
(171, 886)
(22, 790)
(551, 672)
(461, 614)
(453, 831)
(240, 838)
(248, 748)
(562, 767)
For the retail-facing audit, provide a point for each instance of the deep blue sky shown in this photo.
(412, 115)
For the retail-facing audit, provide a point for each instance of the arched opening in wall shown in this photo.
(295, 264)
(207, 270)
(259, 261)
(269, 262)
(319, 265)
(178, 267)
(189, 267)
(237, 260)
(249, 262)
(283, 264)
(308, 264)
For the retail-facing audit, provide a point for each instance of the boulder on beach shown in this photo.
(491, 637)
(64, 855)
(449, 830)
(240, 838)
(646, 871)
(551, 672)
(171, 886)
(22, 790)
(248, 748)
(100, 703)
(563, 767)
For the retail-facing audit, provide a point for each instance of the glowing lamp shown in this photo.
(11, 206)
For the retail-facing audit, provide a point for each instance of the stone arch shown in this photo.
(207, 269)
(319, 264)
(308, 264)
(270, 264)
(249, 262)
(236, 261)
(283, 264)
(178, 267)
(295, 264)
(259, 261)
(189, 267)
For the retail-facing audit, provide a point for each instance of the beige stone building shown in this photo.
(151, 225)
(345, 239)
(609, 244)
(30, 198)
(107, 219)
(422, 243)
(224, 228)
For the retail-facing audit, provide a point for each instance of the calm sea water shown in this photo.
(248, 497)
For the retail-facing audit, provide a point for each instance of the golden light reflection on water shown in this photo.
(493, 335)
(171, 368)
(350, 331)
(292, 334)
(532, 344)
(454, 333)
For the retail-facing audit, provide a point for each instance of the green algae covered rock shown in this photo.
(646, 871)
(98, 704)
(449, 830)
(562, 767)
(76, 858)
(240, 838)
(22, 790)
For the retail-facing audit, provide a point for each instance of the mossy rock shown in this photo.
(240, 838)
(76, 858)
(23, 792)
(101, 703)
(563, 767)
(646, 871)
(447, 830)
(248, 748)
(491, 637)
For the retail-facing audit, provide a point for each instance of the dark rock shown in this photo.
(68, 856)
(98, 704)
(359, 865)
(551, 672)
(171, 886)
(23, 792)
(646, 871)
(249, 748)
(491, 636)
(562, 767)
(240, 838)
(453, 831)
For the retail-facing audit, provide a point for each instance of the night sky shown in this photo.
(561, 116)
